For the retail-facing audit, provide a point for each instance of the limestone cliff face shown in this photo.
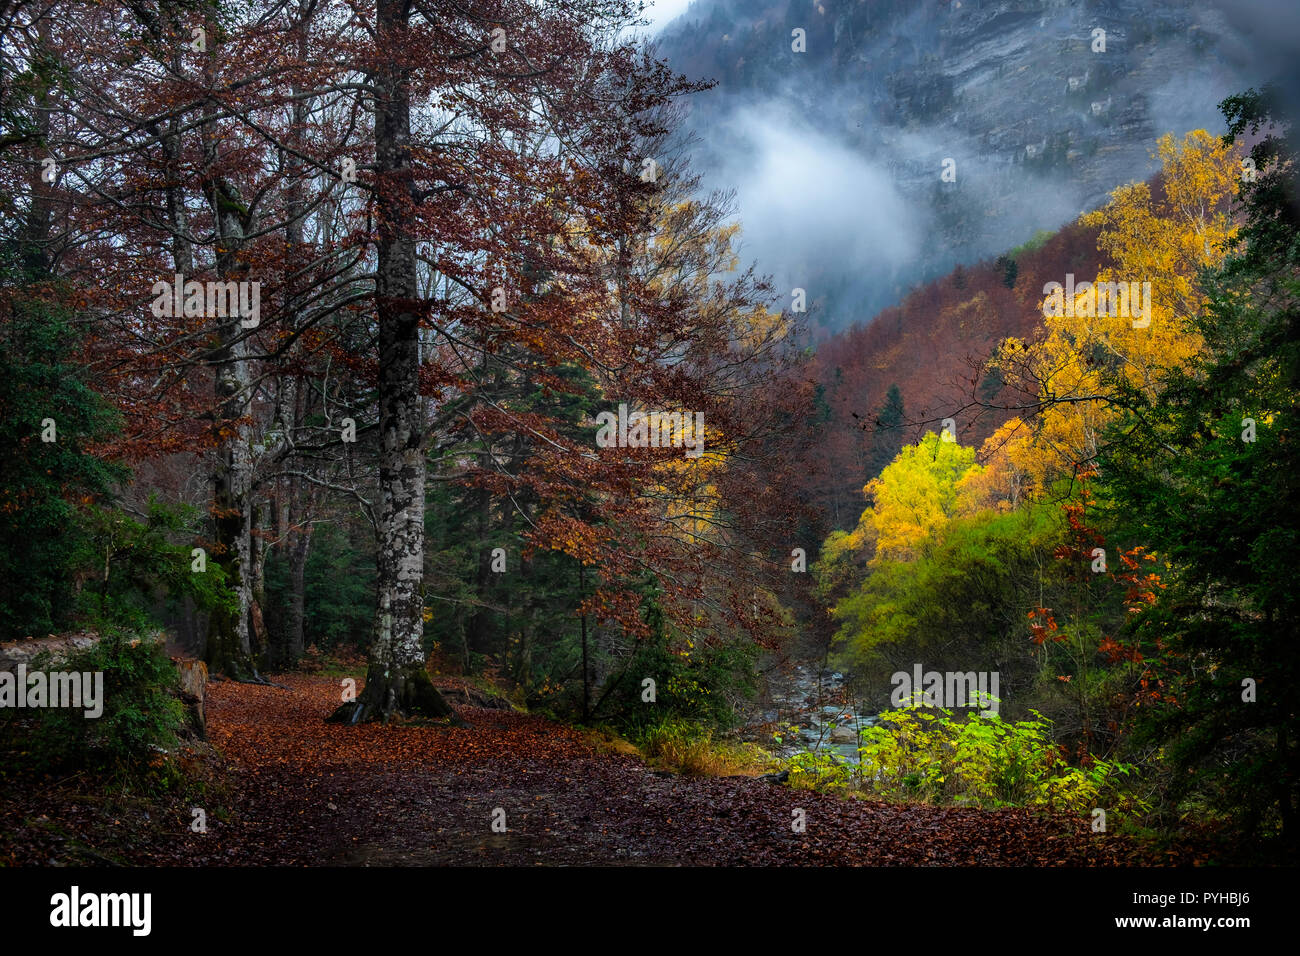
(1040, 126)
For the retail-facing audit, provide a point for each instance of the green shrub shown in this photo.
(819, 770)
(142, 712)
(695, 683)
(926, 755)
(135, 563)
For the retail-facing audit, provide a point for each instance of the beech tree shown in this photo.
(450, 174)
(470, 223)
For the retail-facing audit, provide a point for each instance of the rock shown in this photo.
(13, 653)
(781, 777)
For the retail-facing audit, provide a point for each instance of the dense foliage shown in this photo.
(142, 713)
(1205, 472)
(1121, 550)
(50, 421)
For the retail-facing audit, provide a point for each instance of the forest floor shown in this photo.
(290, 789)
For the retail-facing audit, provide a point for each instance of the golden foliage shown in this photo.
(1087, 357)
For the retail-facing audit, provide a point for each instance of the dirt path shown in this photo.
(312, 793)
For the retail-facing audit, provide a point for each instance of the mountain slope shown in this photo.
(838, 152)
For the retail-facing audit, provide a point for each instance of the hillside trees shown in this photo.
(887, 436)
(951, 563)
(1070, 381)
(1203, 469)
(934, 346)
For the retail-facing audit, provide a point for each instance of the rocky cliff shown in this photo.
(1037, 109)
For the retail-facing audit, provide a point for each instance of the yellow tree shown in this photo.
(916, 496)
(1127, 328)
(1011, 471)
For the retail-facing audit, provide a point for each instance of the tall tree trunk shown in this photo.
(260, 550)
(586, 670)
(478, 632)
(295, 527)
(229, 647)
(396, 679)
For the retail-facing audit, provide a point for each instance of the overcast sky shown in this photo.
(661, 12)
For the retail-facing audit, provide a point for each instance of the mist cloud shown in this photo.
(806, 200)
(836, 160)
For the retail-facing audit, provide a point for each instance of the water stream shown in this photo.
(820, 703)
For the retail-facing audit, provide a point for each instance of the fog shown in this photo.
(837, 194)
(808, 200)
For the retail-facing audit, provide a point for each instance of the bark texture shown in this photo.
(396, 680)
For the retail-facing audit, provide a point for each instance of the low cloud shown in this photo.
(809, 203)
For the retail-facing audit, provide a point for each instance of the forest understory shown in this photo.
(290, 790)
